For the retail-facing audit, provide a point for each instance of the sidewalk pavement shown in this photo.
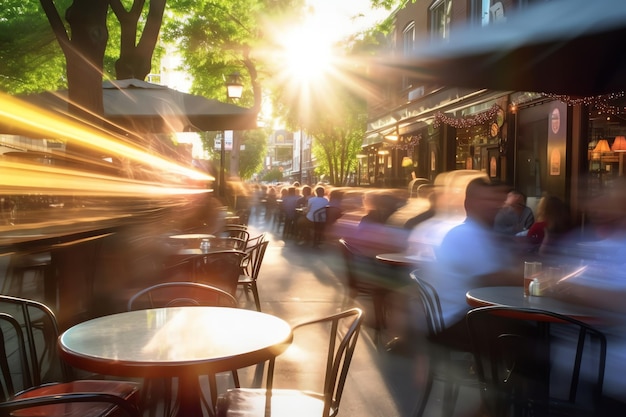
(298, 283)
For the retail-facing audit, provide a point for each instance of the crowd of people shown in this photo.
(481, 237)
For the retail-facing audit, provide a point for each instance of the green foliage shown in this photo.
(273, 175)
(30, 56)
(251, 158)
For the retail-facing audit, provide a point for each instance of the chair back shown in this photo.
(220, 269)
(253, 241)
(29, 331)
(252, 265)
(431, 304)
(235, 232)
(364, 275)
(343, 331)
(169, 294)
(518, 351)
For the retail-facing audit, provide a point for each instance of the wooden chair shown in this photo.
(448, 365)
(516, 362)
(177, 294)
(343, 331)
(34, 376)
(252, 267)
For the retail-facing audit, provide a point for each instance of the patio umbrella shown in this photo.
(145, 107)
(572, 47)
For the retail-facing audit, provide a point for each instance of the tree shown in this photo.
(251, 158)
(338, 136)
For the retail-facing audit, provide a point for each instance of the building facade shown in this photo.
(533, 141)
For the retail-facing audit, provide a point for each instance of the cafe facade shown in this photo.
(538, 143)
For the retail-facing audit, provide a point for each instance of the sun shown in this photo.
(307, 56)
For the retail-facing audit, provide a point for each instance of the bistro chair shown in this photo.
(319, 223)
(218, 267)
(365, 278)
(536, 362)
(34, 379)
(251, 268)
(178, 294)
(229, 231)
(254, 240)
(447, 365)
(343, 331)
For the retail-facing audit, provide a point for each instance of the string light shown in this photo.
(466, 122)
(407, 143)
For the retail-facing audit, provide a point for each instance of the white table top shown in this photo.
(166, 342)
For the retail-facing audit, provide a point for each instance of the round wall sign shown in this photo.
(555, 120)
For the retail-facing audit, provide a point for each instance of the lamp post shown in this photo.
(234, 89)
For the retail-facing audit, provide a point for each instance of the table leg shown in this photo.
(190, 397)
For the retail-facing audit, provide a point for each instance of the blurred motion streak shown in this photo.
(43, 124)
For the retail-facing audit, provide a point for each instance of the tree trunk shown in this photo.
(136, 60)
(85, 57)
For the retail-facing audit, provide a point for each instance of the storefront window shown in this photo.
(469, 142)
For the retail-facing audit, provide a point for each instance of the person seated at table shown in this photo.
(307, 221)
(553, 223)
(602, 284)
(470, 256)
(289, 205)
(374, 234)
(304, 198)
(514, 216)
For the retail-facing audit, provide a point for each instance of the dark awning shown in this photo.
(570, 47)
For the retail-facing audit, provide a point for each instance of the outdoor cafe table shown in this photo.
(401, 259)
(513, 296)
(181, 342)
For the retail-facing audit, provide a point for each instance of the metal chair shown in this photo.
(252, 266)
(449, 365)
(343, 331)
(323, 218)
(516, 362)
(174, 294)
(170, 294)
(365, 278)
(34, 376)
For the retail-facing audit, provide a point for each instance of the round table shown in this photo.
(514, 297)
(401, 259)
(182, 342)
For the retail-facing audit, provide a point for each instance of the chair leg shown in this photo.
(423, 401)
(255, 293)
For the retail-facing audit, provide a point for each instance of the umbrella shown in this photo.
(571, 47)
(145, 107)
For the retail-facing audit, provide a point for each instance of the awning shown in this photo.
(569, 47)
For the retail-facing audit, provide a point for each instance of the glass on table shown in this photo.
(532, 270)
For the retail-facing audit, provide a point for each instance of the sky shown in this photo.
(338, 15)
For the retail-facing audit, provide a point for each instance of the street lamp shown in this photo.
(234, 89)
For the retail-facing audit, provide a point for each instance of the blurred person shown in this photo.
(289, 205)
(304, 198)
(315, 203)
(514, 216)
(601, 284)
(549, 232)
(470, 256)
(374, 235)
(271, 204)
